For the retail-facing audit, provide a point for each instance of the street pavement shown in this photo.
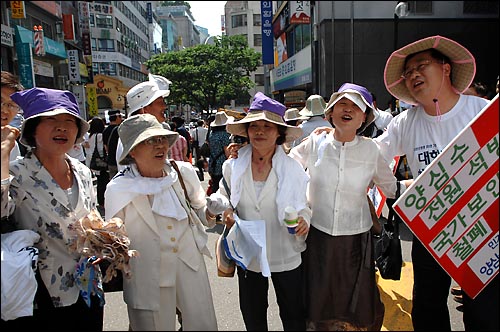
(396, 296)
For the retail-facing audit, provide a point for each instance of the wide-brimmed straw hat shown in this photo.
(139, 128)
(315, 105)
(221, 119)
(264, 108)
(143, 94)
(463, 65)
(292, 114)
(360, 96)
(37, 102)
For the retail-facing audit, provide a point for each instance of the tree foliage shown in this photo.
(208, 76)
(175, 3)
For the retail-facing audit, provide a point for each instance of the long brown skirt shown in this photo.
(341, 292)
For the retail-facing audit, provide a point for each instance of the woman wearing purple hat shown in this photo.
(341, 292)
(46, 191)
(263, 181)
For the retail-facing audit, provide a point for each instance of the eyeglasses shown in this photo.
(156, 140)
(420, 68)
(11, 107)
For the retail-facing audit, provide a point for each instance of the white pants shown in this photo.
(192, 295)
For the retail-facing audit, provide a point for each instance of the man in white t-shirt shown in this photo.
(199, 136)
(420, 74)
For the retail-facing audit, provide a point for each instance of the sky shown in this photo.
(207, 15)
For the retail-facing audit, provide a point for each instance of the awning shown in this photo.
(51, 46)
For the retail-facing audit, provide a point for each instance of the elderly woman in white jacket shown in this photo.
(262, 182)
(164, 209)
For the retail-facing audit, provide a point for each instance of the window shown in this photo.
(257, 40)
(106, 45)
(259, 79)
(256, 20)
(104, 21)
(239, 21)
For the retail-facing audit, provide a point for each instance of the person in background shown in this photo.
(432, 73)
(178, 150)
(95, 140)
(110, 138)
(292, 118)
(10, 84)
(78, 150)
(46, 190)
(341, 291)
(380, 123)
(147, 97)
(219, 140)
(477, 89)
(315, 113)
(166, 229)
(263, 181)
(198, 136)
(179, 123)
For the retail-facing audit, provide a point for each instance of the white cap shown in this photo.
(143, 94)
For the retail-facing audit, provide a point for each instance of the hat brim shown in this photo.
(84, 125)
(463, 66)
(172, 136)
(360, 101)
(239, 127)
(156, 95)
(229, 120)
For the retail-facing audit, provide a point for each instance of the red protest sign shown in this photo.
(452, 207)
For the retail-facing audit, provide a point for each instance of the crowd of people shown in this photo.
(318, 160)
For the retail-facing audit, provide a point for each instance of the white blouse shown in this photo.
(340, 175)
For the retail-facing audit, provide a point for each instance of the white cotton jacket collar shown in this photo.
(124, 188)
(284, 170)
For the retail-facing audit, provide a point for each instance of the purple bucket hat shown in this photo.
(359, 95)
(264, 108)
(36, 102)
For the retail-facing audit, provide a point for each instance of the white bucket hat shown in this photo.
(292, 114)
(139, 128)
(463, 65)
(143, 94)
(315, 105)
(221, 119)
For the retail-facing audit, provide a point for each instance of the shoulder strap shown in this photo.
(110, 135)
(181, 180)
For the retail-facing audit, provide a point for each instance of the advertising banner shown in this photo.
(300, 12)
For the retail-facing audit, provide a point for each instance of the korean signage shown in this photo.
(84, 16)
(300, 12)
(452, 207)
(17, 9)
(25, 61)
(7, 36)
(92, 100)
(73, 66)
(266, 10)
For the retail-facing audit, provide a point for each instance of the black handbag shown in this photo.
(388, 255)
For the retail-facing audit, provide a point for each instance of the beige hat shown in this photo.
(315, 105)
(292, 114)
(143, 94)
(463, 65)
(221, 119)
(139, 128)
